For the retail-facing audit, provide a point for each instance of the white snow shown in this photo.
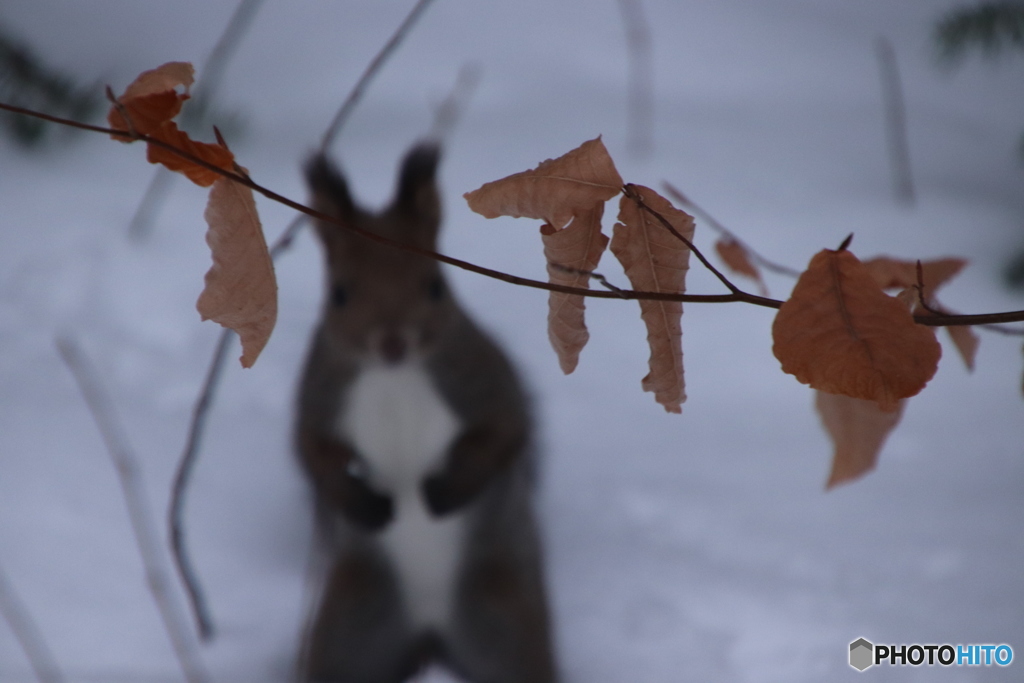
(697, 547)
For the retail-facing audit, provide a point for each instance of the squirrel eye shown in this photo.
(436, 289)
(339, 296)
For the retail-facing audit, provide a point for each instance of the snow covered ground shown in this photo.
(698, 547)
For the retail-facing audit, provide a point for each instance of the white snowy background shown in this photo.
(699, 547)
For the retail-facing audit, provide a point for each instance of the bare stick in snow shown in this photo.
(139, 511)
(895, 122)
(641, 89)
(25, 630)
(371, 71)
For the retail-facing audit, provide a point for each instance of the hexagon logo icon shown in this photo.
(861, 654)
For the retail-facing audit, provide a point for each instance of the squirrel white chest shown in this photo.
(402, 427)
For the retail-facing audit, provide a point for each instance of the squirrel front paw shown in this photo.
(442, 496)
(365, 507)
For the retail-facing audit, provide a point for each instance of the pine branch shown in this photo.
(990, 26)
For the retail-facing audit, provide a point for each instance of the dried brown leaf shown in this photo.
(840, 333)
(152, 99)
(215, 154)
(555, 191)
(241, 290)
(858, 429)
(891, 273)
(656, 261)
(571, 254)
(165, 77)
(966, 342)
(150, 102)
(735, 256)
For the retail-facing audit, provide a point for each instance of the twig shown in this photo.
(176, 509)
(641, 88)
(175, 514)
(895, 122)
(732, 297)
(25, 630)
(139, 511)
(629, 191)
(589, 273)
(371, 70)
(683, 199)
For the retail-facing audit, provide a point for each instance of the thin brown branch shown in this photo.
(176, 510)
(25, 630)
(371, 70)
(588, 273)
(741, 295)
(139, 512)
(715, 225)
(734, 296)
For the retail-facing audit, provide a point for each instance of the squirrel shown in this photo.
(415, 433)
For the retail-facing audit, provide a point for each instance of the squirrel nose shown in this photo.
(393, 348)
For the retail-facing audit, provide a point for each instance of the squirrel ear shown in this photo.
(416, 198)
(330, 193)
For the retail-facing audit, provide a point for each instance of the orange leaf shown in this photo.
(578, 247)
(148, 113)
(555, 191)
(890, 273)
(858, 429)
(966, 342)
(734, 255)
(165, 77)
(152, 98)
(840, 333)
(241, 290)
(150, 102)
(215, 154)
(656, 261)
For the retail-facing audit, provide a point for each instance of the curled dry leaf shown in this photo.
(163, 78)
(892, 273)
(840, 333)
(571, 254)
(655, 260)
(735, 256)
(555, 191)
(858, 429)
(241, 290)
(150, 102)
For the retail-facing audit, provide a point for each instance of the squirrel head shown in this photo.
(383, 305)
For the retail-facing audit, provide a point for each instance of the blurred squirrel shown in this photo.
(415, 432)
